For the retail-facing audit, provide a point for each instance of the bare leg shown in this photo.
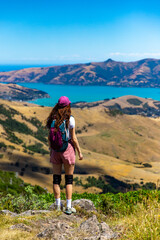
(69, 170)
(57, 169)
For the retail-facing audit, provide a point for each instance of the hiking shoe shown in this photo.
(73, 210)
(69, 210)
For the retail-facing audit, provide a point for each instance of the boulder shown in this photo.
(96, 230)
(7, 212)
(56, 230)
(53, 206)
(84, 204)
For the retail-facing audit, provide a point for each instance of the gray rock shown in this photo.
(53, 206)
(84, 204)
(91, 226)
(97, 230)
(106, 232)
(7, 212)
(33, 212)
(64, 227)
(57, 230)
(69, 218)
(21, 226)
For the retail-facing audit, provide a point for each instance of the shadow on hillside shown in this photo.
(87, 169)
(118, 185)
(27, 173)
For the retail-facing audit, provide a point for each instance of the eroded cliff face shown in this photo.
(143, 73)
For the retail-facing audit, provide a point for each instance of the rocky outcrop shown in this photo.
(85, 204)
(89, 229)
(61, 226)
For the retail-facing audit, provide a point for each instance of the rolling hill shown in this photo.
(142, 73)
(128, 104)
(122, 147)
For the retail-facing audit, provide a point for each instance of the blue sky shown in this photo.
(59, 32)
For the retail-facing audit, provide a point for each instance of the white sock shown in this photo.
(58, 201)
(69, 203)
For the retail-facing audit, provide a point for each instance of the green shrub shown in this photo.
(41, 134)
(3, 145)
(149, 186)
(12, 137)
(147, 165)
(10, 112)
(134, 101)
(13, 125)
(37, 148)
(11, 146)
(17, 196)
(115, 112)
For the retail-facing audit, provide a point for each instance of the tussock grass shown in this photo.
(142, 224)
(16, 235)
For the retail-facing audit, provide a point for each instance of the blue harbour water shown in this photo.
(88, 93)
(13, 67)
(81, 93)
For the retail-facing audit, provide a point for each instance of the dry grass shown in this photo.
(121, 143)
(143, 224)
(16, 235)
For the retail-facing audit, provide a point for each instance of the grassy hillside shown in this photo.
(122, 147)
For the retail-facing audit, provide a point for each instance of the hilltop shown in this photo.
(126, 150)
(16, 92)
(142, 73)
(128, 104)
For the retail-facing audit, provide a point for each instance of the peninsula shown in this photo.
(16, 92)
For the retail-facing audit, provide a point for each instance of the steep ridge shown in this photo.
(143, 73)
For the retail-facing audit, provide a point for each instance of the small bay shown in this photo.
(88, 93)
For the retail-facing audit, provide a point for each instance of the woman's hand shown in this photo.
(80, 156)
(75, 142)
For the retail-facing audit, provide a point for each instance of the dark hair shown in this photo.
(59, 114)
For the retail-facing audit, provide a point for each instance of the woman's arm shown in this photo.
(75, 142)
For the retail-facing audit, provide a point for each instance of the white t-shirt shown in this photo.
(71, 125)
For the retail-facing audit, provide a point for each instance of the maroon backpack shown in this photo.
(58, 138)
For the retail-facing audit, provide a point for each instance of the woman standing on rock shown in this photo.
(63, 142)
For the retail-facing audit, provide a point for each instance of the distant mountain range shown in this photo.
(143, 73)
